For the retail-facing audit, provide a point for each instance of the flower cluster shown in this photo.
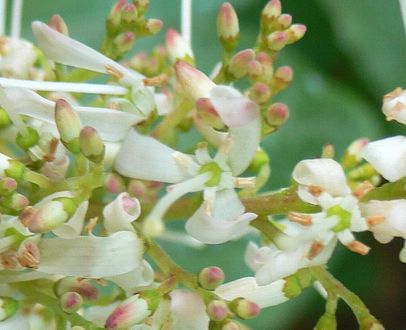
(83, 180)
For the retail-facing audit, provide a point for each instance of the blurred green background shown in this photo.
(353, 53)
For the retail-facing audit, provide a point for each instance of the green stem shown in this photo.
(365, 319)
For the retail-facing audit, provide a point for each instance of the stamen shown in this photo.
(90, 226)
(114, 72)
(3, 9)
(374, 220)
(362, 189)
(358, 247)
(302, 219)
(315, 250)
(16, 15)
(157, 81)
(391, 95)
(315, 190)
(186, 21)
(186, 163)
(244, 182)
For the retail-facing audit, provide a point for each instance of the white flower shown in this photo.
(387, 156)
(394, 105)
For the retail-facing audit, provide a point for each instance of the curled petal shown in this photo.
(143, 157)
(247, 287)
(91, 256)
(326, 174)
(74, 225)
(64, 50)
(227, 221)
(387, 156)
(188, 311)
(136, 279)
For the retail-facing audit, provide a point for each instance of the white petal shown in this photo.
(65, 50)
(227, 221)
(143, 157)
(234, 109)
(245, 142)
(91, 256)
(17, 321)
(10, 276)
(394, 106)
(136, 279)
(209, 133)
(324, 173)
(188, 311)
(73, 227)
(118, 215)
(247, 287)
(163, 104)
(387, 156)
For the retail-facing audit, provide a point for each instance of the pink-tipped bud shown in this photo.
(295, 33)
(231, 325)
(246, 309)
(124, 41)
(114, 17)
(131, 311)
(270, 13)
(177, 48)
(255, 70)
(136, 188)
(277, 40)
(282, 77)
(238, 66)
(57, 23)
(228, 30)
(84, 287)
(68, 124)
(277, 114)
(283, 21)
(217, 310)
(153, 26)
(91, 145)
(260, 93)
(114, 183)
(15, 201)
(141, 5)
(71, 302)
(211, 277)
(129, 13)
(267, 66)
(208, 113)
(194, 83)
(7, 186)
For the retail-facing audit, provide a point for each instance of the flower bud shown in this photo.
(231, 325)
(8, 307)
(217, 310)
(238, 66)
(129, 14)
(84, 287)
(208, 114)
(131, 311)
(11, 168)
(292, 287)
(119, 214)
(177, 48)
(267, 67)
(283, 21)
(211, 277)
(27, 140)
(352, 155)
(260, 93)
(255, 70)
(114, 183)
(71, 302)
(277, 114)
(57, 23)
(141, 5)
(277, 40)
(282, 77)
(114, 18)
(124, 41)
(136, 188)
(15, 202)
(7, 186)
(245, 308)
(68, 124)
(194, 83)
(91, 145)
(49, 215)
(228, 30)
(295, 33)
(270, 13)
(153, 26)
(4, 119)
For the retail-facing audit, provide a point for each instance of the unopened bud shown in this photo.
(292, 287)
(84, 287)
(68, 124)
(7, 186)
(114, 183)
(255, 70)
(238, 66)
(27, 140)
(277, 114)
(282, 77)
(228, 30)
(141, 5)
(124, 41)
(211, 277)
(16, 202)
(277, 40)
(295, 33)
(245, 308)
(129, 13)
(260, 93)
(57, 23)
(327, 151)
(231, 325)
(91, 145)
(71, 302)
(283, 21)
(208, 113)
(270, 13)
(326, 321)
(114, 17)
(131, 311)
(136, 188)
(177, 48)
(4, 119)
(267, 66)
(119, 214)
(8, 307)
(352, 155)
(49, 215)
(217, 310)
(11, 168)
(153, 26)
